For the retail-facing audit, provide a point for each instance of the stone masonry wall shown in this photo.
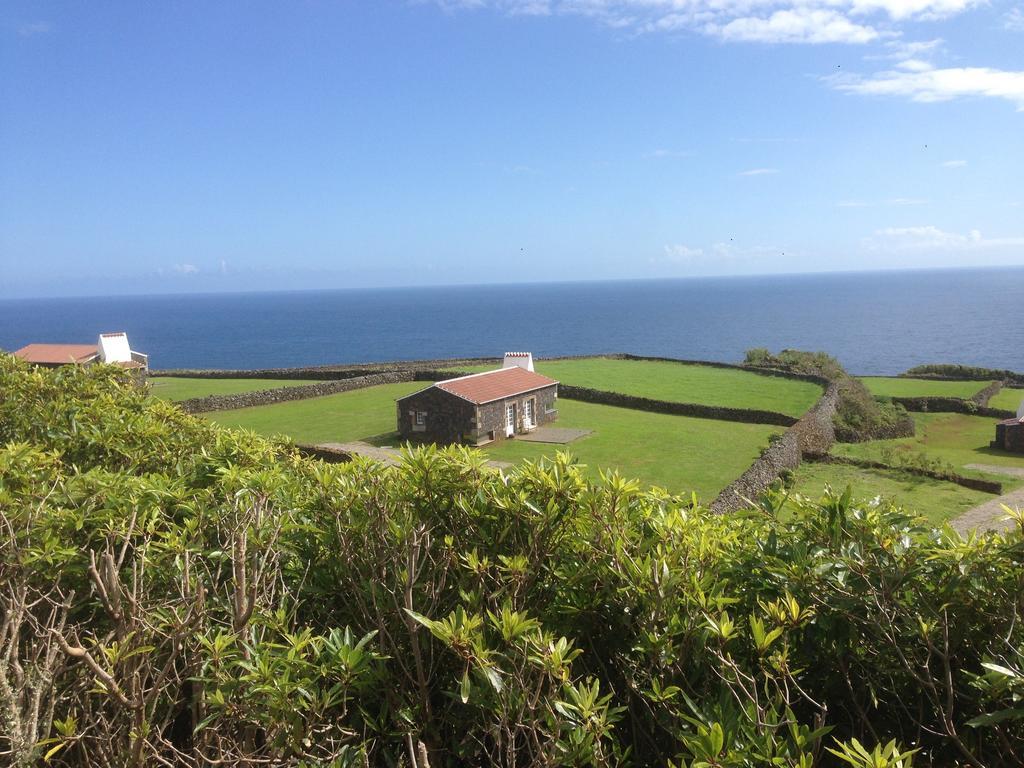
(287, 394)
(950, 405)
(812, 435)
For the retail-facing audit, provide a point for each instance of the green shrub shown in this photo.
(174, 593)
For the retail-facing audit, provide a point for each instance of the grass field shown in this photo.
(1008, 399)
(355, 415)
(953, 437)
(180, 388)
(675, 382)
(890, 387)
(935, 500)
(675, 452)
(679, 453)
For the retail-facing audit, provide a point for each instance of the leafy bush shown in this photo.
(974, 373)
(174, 593)
(860, 415)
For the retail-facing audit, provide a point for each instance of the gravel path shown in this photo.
(990, 515)
(996, 469)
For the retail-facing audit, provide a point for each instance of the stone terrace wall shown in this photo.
(975, 483)
(951, 405)
(287, 394)
(982, 397)
(812, 435)
(321, 372)
(748, 415)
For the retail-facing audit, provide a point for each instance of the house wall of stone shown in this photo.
(449, 419)
(1010, 437)
(492, 415)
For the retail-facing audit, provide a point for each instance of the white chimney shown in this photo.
(518, 360)
(114, 348)
(1020, 411)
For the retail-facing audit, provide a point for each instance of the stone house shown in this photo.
(1010, 433)
(481, 407)
(110, 348)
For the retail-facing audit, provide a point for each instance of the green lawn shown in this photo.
(181, 388)
(676, 382)
(882, 386)
(675, 452)
(953, 437)
(679, 453)
(933, 499)
(1007, 398)
(355, 415)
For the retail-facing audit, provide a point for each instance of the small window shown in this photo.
(421, 418)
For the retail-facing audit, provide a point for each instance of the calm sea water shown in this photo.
(877, 323)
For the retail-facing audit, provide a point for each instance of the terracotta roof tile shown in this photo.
(57, 354)
(495, 385)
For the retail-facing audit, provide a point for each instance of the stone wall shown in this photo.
(975, 483)
(449, 419)
(288, 394)
(321, 372)
(813, 435)
(981, 398)
(950, 405)
(747, 415)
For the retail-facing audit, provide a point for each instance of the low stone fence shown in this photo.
(950, 405)
(288, 394)
(812, 435)
(981, 398)
(601, 397)
(318, 372)
(975, 483)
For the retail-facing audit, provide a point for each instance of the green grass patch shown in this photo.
(1007, 398)
(182, 388)
(680, 383)
(956, 438)
(679, 453)
(882, 386)
(935, 500)
(356, 415)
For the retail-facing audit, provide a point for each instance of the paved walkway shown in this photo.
(560, 435)
(385, 454)
(990, 515)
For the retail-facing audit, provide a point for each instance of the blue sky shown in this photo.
(261, 145)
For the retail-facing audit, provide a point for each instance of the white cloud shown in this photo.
(33, 28)
(681, 254)
(929, 84)
(799, 25)
(935, 239)
(185, 269)
(954, 164)
(660, 153)
(766, 21)
(894, 201)
(759, 172)
(1014, 20)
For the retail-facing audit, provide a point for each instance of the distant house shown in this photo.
(110, 348)
(482, 407)
(1010, 433)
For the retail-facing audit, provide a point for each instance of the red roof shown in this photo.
(1014, 420)
(495, 385)
(57, 354)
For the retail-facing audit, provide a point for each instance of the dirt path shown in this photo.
(990, 515)
(385, 454)
(996, 469)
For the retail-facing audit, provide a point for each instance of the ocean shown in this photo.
(875, 323)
